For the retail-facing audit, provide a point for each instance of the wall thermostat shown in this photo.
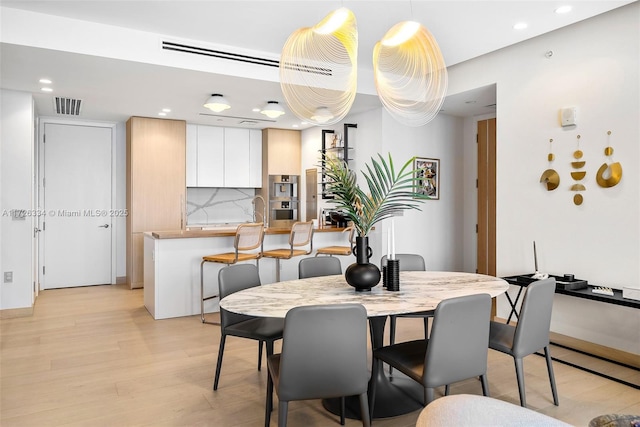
(568, 116)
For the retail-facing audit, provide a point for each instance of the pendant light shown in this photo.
(410, 74)
(272, 109)
(318, 68)
(217, 103)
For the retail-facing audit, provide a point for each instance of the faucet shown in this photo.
(264, 209)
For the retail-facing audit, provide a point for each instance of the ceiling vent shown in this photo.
(248, 122)
(218, 53)
(67, 106)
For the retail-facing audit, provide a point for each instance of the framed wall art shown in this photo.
(428, 176)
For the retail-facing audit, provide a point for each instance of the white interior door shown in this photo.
(77, 201)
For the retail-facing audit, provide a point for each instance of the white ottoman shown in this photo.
(470, 410)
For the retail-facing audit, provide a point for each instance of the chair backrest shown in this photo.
(232, 279)
(318, 266)
(352, 235)
(459, 341)
(301, 234)
(249, 236)
(408, 262)
(324, 352)
(534, 321)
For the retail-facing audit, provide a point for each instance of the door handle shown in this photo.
(104, 226)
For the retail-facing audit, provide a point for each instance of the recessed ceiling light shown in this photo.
(304, 123)
(46, 89)
(162, 114)
(166, 110)
(563, 9)
(294, 126)
(256, 110)
(520, 26)
(45, 81)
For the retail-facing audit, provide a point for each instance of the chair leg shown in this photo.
(364, 410)
(342, 409)
(277, 270)
(485, 385)
(375, 371)
(426, 328)
(269, 403)
(219, 364)
(283, 407)
(446, 390)
(259, 354)
(202, 297)
(428, 395)
(520, 377)
(552, 378)
(392, 330)
(392, 335)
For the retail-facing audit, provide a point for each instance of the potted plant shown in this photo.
(389, 192)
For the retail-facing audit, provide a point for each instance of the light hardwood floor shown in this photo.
(95, 357)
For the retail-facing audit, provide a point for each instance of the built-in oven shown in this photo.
(283, 200)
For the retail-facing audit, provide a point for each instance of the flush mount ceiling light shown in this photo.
(318, 67)
(272, 109)
(410, 74)
(217, 103)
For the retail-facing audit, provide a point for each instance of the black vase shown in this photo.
(362, 275)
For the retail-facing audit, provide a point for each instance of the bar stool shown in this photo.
(301, 235)
(249, 236)
(339, 250)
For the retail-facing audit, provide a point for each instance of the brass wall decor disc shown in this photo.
(551, 179)
(578, 187)
(551, 157)
(578, 175)
(577, 199)
(577, 154)
(608, 151)
(577, 165)
(615, 170)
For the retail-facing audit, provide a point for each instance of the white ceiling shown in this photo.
(113, 90)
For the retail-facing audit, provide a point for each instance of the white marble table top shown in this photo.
(419, 291)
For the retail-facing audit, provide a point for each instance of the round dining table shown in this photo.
(419, 291)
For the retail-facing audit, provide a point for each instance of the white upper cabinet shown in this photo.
(210, 156)
(255, 158)
(223, 157)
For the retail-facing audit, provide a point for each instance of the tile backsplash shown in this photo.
(219, 205)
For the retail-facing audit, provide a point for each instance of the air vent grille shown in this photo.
(180, 47)
(67, 106)
(217, 53)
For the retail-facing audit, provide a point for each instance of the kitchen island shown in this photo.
(172, 265)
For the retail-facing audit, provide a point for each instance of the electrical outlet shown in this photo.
(8, 277)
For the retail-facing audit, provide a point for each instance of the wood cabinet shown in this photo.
(281, 152)
(156, 185)
(223, 157)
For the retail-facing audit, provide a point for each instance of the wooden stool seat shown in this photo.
(335, 250)
(231, 257)
(284, 253)
(339, 250)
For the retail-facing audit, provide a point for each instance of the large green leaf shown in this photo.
(388, 192)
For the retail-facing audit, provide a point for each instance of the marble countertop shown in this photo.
(227, 232)
(419, 291)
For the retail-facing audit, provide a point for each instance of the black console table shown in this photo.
(524, 280)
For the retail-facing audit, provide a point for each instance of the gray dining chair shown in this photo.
(408, 262)
(530, 334)
(318, 266)
(456, 349)
(232, 279)
(324, 355)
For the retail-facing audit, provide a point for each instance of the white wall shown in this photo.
(594, 67)
(16, 170)
(436, 231)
